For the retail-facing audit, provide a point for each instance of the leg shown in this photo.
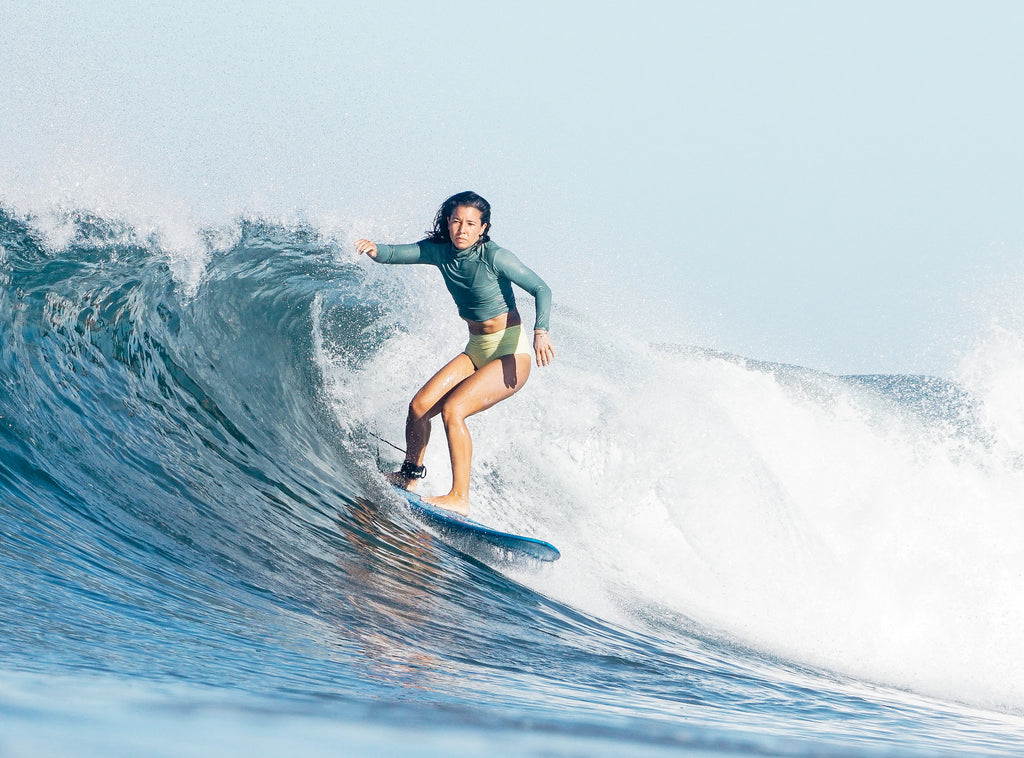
(424, 406)
(491, 384)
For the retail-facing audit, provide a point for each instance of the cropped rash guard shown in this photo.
(479, 279)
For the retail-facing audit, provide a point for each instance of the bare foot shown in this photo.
(405, 483)
(450, 502)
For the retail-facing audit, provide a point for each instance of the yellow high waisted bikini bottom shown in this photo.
(484, 348)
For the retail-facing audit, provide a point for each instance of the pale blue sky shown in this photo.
(837, 185)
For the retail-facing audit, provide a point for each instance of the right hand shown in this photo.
(365, 246)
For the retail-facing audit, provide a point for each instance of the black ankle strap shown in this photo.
(412, 471)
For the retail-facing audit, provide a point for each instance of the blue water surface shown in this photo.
(194, 563)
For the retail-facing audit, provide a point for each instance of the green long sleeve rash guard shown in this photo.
(480, 279)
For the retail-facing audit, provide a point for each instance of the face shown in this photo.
(466, 227)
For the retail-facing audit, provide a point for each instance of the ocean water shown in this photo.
(199, 555)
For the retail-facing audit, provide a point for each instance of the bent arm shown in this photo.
(513, 269)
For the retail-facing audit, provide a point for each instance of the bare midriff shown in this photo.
(496, 324)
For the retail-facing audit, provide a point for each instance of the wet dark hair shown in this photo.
(469, 199)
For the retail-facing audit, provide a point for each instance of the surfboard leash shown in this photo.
(380, 439)
(386, 442)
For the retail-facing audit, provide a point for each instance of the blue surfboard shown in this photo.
(471, 536)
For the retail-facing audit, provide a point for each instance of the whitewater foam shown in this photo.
(821, 519)
(820, 531)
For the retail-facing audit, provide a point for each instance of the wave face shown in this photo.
(757, 558)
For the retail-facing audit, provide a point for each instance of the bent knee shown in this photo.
(418, 409)
(453, 412)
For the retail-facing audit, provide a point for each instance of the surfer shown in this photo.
(496, 362)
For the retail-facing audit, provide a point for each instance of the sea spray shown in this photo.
(190, 508)
(862, 524)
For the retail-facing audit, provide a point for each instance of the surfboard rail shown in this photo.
(465, 530)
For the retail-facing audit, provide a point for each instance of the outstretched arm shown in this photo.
(418, 252)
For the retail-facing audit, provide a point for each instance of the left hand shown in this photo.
(543, 348)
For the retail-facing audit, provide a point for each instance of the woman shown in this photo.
(496, 363)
